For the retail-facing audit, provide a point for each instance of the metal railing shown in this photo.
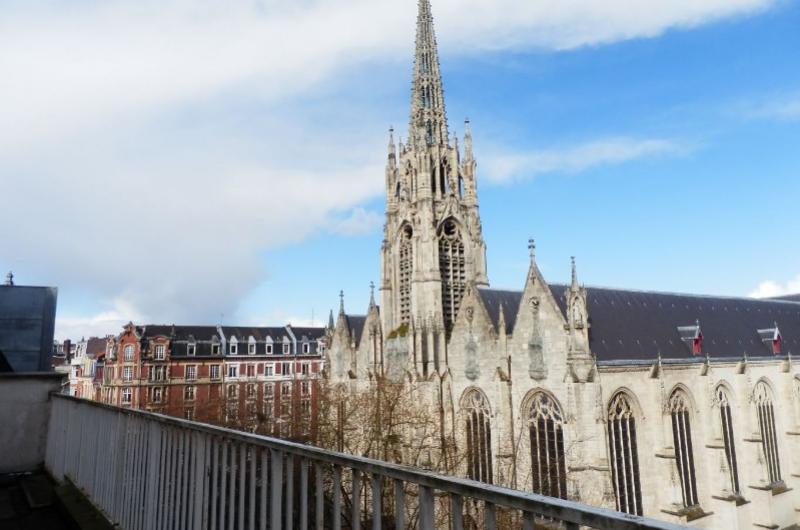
(149, 471)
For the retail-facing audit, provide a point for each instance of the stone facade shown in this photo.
(680, 407)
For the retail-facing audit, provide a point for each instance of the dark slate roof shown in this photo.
(200, 333)
(95, 346)
(788, 297)
(355, 323)
(308, 333)
(494, 299)
(637, 325)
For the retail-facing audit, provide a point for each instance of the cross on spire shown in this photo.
(532, 249)
(371, 294)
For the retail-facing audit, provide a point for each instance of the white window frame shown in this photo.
(189, 393)
(157, 395)
(127, 395)
(127, 373)
(251, 348)
(234, 348)
(190, 373)
(215, 348)
(269, 370)
(305, 369)
(215, 368)
(128, 352)
(269, 348)
(160, 352)
(287, 348)
(306, 348)
(233, 370)
(191, 349)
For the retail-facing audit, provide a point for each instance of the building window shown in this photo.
(251, 348)
(726, 422)
(214, 371)
(269, 349)
(156, 394)
(321, 347)
(251, 370)
(158, 373)
(188, 414)
(305, 388)
(548, 462)
(128, 352)
(305, 408)
(160, 352)
(127, 373)
(287, 368)
(251, 391)
(234, 349)
(286, 349)
(286, 390)
(268, 370)
(269, 391)
(679, 408)
(191, 372)
(304, 369)
(233, 370)
(306, 348)
(215, 349)
(479, 437)
(191, 348)
(624, 455)
(233, 391)
(126, 395)
(762, 397)
(188, 393)
(406, 267)
(452, 267)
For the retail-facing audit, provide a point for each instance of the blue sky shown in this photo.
(659, 149)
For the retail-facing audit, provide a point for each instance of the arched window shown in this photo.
(762, 397)
(679, 407)
(624, 455)
(726, 420)
(452, 267)
(479, 437)
(406, 268)
(548, 463)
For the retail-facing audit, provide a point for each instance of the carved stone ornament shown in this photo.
(472, 370)
(470, 314)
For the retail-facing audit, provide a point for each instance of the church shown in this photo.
(675, 406)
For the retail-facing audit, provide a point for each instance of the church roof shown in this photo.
(637, 325)
(494, 299)
(788, 297)
(355, 324)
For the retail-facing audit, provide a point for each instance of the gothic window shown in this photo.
(762, 397)
(452, 267)
(548, 463)
(479, 437)
(429, 133)
(682, 438)
(624, 455)
(406, 269)
(726, 421)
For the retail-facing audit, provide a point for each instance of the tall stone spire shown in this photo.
(428, 123)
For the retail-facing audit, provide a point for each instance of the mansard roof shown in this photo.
(494, 299)
(788, 297)
(95, 346)
(637, 325)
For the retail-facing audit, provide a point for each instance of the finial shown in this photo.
(330, 319)
(10, 279)
(532, 249)
(341, 302)
(371, 294)
(574, 271)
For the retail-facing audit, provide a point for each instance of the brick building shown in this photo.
(259, 379)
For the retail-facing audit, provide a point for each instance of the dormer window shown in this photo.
(191, 348)
(692, 336)
(269, 348)
(234, 348)
(306, 348)
(772, 338)
(128, 352)
(160, 352)
(251, 347)
(215, 349)
(286, 348)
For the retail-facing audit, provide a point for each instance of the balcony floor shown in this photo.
(28, 501)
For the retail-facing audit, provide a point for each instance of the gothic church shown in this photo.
(679, 407)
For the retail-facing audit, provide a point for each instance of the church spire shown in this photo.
(428, 123)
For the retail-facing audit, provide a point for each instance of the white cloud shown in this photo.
(154, 149)
(503, 167)
(771, 288)
(784, 107)
(359, 222)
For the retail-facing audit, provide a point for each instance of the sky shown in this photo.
(212, 161)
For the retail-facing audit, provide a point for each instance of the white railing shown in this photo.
(149, 471)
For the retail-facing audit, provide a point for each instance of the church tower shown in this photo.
(432, 246)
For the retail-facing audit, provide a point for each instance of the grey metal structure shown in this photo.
(27, 325)
(146, 470)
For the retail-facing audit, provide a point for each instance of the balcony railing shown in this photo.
(148, 471)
